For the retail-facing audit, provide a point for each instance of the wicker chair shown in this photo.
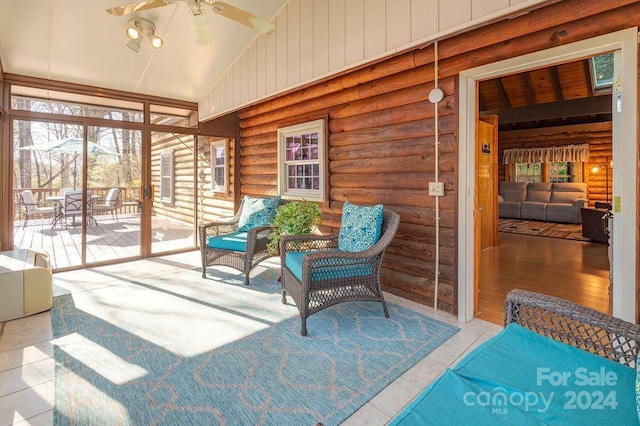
(575, 325)
(330, 276)
(244, 261)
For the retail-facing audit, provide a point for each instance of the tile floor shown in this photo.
(27, 365)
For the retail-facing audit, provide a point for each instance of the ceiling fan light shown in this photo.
(133, 33)
(156, 41)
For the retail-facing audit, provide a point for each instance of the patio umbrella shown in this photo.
(71, 146)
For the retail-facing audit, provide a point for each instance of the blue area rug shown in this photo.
(178, 350)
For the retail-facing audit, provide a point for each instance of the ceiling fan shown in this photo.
(197, 17)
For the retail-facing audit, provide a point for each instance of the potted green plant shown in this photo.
(294, 218)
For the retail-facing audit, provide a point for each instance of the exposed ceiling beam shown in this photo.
(481, 102)
(557, 88)
(552, 110)
(503, 93)
(588, 76)
(526, 82)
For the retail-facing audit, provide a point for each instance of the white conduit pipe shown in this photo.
(435, 96)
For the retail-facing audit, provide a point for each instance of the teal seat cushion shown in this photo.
(257, 212)
(520, 377)
(361, 227)
(638, 386)
(327, 270)
(236, 241)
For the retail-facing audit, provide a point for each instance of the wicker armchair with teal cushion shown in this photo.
(555, 363)
(320, 271)
(239, 242)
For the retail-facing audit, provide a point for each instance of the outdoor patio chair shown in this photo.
(319, 271)
(110, 204)
(239, 242)
(32, 208)
(72, 206)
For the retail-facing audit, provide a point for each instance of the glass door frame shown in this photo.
(6, 153)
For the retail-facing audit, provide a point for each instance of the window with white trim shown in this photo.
(166, 177)
(220, 166)
(301, 161)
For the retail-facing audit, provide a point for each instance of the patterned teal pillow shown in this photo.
(361, 227)
(257, 212)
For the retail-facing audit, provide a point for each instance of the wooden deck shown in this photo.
(107, 240)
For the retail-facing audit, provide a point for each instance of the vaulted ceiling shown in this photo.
(78, 41)
(554, 96)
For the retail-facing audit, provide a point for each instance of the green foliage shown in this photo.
(294, 218)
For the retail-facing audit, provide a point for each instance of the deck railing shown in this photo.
(129, 200)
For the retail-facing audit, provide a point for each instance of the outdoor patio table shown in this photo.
(58, 199)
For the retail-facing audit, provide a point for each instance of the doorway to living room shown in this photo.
(623, 45)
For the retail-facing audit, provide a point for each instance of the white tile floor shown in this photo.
(27, 365)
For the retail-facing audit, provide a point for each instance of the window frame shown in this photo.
(166, 179)
(317, 195)
(577, 174)
(215, 146)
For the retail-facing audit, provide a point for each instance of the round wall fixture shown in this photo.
(436, 95)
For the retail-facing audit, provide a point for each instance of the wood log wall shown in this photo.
(381, 132)
(597, 135)
(213, 205)
(183, 175)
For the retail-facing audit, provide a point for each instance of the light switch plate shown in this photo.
(436, 189)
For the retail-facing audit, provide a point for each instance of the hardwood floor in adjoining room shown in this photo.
(574, 270)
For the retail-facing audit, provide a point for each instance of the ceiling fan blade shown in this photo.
(128, 9)
(241, 16)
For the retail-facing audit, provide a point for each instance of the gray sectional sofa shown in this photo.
(550, 202)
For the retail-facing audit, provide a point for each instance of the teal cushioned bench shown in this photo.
(521, 377)
(236, 241)
(327, 270)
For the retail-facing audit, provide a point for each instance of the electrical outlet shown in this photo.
(617, 208)
(436, 189)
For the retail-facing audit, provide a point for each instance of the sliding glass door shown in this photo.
(113, 177)
(97, 180)
(173, 188)
(50, 206)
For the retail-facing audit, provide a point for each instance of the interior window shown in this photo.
(528, 172)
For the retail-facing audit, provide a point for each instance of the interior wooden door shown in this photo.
(487, 180)
(486, 193)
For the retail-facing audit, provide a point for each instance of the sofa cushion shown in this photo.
(522, 377)
(257, 212)
(539, 192)
(533, 211)
(568, 192)
(513, 191)
(509, 209)
(236, 241)
(327, 269)
(361, 227)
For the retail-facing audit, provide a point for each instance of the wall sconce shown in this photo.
(595, 169)
(137, 29)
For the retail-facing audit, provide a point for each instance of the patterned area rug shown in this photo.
(178, 350)
(567, 231)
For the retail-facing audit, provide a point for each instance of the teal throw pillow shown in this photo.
(257, 212)
(360, 228)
